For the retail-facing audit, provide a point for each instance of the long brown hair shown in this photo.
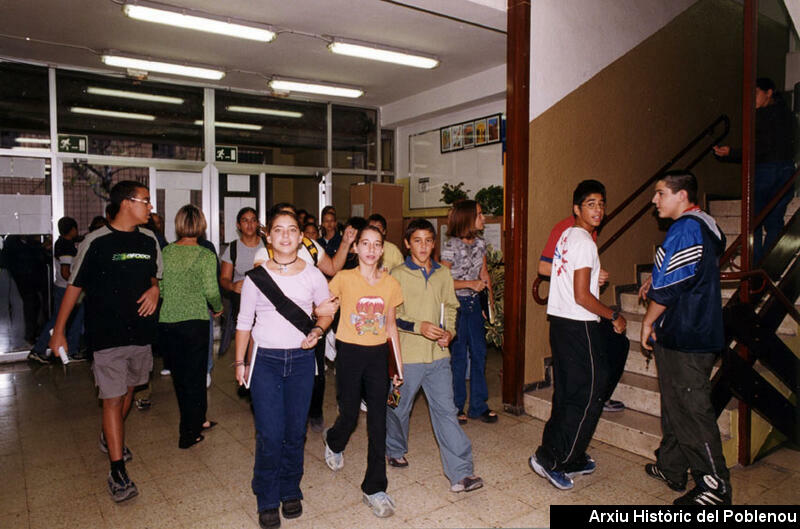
(461, 221)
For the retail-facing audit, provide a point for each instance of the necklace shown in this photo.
(283, 267)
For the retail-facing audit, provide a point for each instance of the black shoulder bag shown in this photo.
(285, 306)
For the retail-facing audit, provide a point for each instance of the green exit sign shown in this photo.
(226, 153)
(73, 143)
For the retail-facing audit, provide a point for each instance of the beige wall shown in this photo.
(626, 122)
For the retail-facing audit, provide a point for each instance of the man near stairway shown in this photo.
(683, 324)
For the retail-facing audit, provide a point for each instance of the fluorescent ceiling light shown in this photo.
(380, 53)
(229, 125)
(315, 88)
(111, 113)
(162, 67)
(265, 111)
(96, 90)
(40, 141)
(200, 23)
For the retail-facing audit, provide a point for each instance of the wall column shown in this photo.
(516, 201)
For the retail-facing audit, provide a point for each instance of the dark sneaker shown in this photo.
(652, 470)
(143, 404)
(269, 519)
(36, 356)
(127, 455)
(292, 508)
(467, 484)
(121, 487)
(557, 478)
(613, 405)
(709, 491)
(581, 468)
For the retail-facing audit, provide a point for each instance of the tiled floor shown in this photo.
(52, 474)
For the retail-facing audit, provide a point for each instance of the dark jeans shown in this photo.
(470, 340)
(74, 325)
(281, 392)
(185, 346)
(33, 292)
(770, 177)
(229, 327)
(580, 374)
(617, 350)
(364, 368)
(690, 435)
(318, 394)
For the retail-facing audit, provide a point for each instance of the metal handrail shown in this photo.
(780, 296)
(650, 181)
(730, 253)
(723, 118)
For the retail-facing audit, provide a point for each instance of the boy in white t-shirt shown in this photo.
(577, 342)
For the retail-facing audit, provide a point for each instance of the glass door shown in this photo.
(26, 255)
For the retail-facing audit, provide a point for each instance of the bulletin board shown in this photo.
(429, 169)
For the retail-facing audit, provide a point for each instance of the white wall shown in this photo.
(572, 40)
(430, 123)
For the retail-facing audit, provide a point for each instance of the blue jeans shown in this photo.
(470, 339)
(770, 177)
(435, 379)
(74, 325)
(281, 392)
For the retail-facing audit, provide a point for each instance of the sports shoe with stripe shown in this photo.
(652, 470)
(709, 491)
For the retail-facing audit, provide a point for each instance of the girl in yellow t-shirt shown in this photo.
(368, 298)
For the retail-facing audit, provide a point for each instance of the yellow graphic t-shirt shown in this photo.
(364, 306)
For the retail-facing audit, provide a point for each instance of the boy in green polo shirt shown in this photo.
(427, 326)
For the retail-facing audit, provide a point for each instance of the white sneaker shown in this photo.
(166, 372)
(382, 504)
(208, 380)
(363, 406)
(334, 460)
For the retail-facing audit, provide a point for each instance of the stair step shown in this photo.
(733, 208)
(639, 392)
(637, 363)
(629, 301)
(631, 430)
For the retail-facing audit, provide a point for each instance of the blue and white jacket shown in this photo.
(686, 280)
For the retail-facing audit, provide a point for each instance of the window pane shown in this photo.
(354, 135)
(126, 117)
(24, 107)
(269, 130)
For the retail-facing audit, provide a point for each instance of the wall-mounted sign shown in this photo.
(476, 133)
(226, 153)
(73, 143)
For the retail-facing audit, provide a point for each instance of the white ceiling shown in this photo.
(468, 36)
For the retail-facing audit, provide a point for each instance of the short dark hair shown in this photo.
(65, 224)
(377, 217)
(416, 225)
(326, 210)
(678, 180)
(282, 213)
(97, 222)
(359, 223)
(123, 190)
(765, 83)
(586, 188)
(461, 222)
(280, 206)
(244, 211)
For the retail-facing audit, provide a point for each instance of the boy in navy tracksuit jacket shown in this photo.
(684, 323)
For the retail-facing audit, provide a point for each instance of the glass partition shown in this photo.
(24, 107)
(273, 131)
(354, 138)
(128, 117)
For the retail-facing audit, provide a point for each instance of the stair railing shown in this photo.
(730, 253)
(706, 132)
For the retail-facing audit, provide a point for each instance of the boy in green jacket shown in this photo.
(426, 322)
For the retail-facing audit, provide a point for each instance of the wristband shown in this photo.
(321, 330)
(615, 315)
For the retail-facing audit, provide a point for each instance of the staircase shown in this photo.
(638, 428)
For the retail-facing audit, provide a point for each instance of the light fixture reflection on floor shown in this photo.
(287, 85)
(111, 113)
(265, 111)
(382, 53)
(127, 94)
(162, 67)
(229, 125)
(199, 21)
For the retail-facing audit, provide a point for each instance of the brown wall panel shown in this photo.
(622, 125)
